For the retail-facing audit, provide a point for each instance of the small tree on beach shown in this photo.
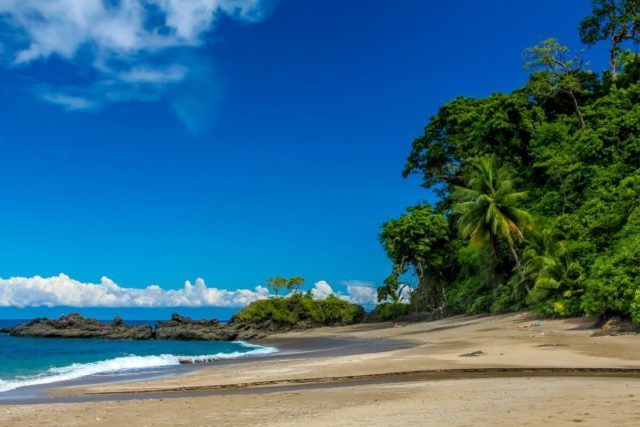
(276, 284)
(392, 290)
(415, 242)
(295, 284)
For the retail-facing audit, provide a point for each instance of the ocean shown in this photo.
(37, 361)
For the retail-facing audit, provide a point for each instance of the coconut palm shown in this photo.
(548, 262)
(489, 210)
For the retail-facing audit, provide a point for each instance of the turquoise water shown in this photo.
(34, 361)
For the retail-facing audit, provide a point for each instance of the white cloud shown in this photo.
(130, 46)
(321, 290)
(63, 291)
(363, 295)
(122, 28)
(356, 293)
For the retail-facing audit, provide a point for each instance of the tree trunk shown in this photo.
(578, 111)
(563, 185)
(493, 244)
(613, 62)
(515, 257)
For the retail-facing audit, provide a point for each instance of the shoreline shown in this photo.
(356, 380)
(492, 363)
(299, 348)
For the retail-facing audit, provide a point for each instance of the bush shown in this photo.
(615, 276)
(390, 311)
(275, 309)
(635, 308)
(469, 296)
(564, 306)
(301, 307)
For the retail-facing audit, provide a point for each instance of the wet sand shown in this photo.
(457, 371)
(70, 391)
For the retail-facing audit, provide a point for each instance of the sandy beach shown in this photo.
(457, 371)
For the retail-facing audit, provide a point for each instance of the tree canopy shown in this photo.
(415, 242)
(615, 21)
(293, 284)
(568, 140)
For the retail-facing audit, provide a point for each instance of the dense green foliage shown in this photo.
(539, 189)
(414, 243)
(488, 207)
(391, 311)
(301, 308)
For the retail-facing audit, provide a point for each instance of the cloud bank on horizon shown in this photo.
(121, 50)
(62, 290)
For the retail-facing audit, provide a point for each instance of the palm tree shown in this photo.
(488, 207)
(548, 262)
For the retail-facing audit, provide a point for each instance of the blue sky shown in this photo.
(233, 142)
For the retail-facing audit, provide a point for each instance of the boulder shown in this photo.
(615, 325)
(76, 326)
(178, 328)
(186, 329)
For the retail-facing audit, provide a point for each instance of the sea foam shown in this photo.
(126, 364)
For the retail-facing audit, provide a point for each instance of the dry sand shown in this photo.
(457, 371)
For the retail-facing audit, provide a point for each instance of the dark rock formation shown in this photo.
(76, 326)
(616, 326)
(247, 331)
(178, 328)
(183, 328)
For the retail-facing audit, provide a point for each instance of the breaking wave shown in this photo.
(126, 364)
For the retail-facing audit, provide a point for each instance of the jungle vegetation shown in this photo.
(298, 307)
(538, 189)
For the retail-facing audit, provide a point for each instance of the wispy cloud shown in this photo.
(363, 283)
(66, 101)
(131, 46)
(62, 290)
(159, 76)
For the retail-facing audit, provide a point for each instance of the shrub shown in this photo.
(635, 308)
(615, 275)
(301, 307)
(275, 309)
(391, 311)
